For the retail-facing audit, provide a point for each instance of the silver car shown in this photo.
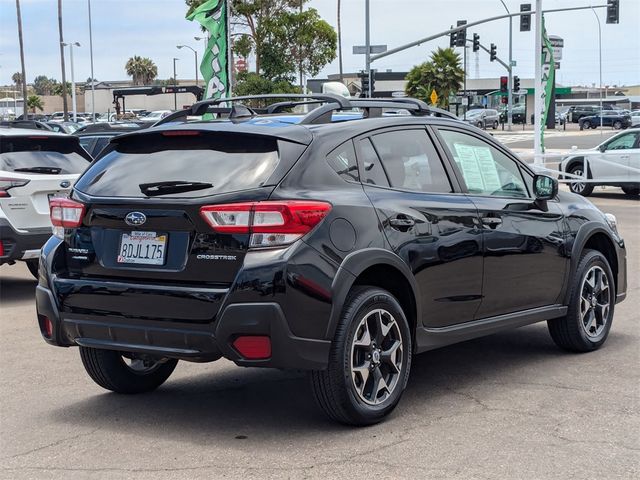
(482, 118)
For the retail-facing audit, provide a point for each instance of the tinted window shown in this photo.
(411, 161)
(229, 162)
(485, 169)
(372, 171)
(86, 142)
(343, 161)
(29, 152)
(101, 142)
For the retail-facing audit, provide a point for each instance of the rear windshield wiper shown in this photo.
(51, 170)
(172, 186)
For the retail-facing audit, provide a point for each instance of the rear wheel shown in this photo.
(581, 188)
(122, 372)
(586, 125)
(631, 190)
(479, 125)
(32, 265)
(588, 320)
(369, 361)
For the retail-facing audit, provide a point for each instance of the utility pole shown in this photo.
(65, 106)
(73, 81)
(367, 42)
(175, 85)
(340, 43)
(93, 91)
(539, 104)
(25, 114)
(510, 69)
(600, 67)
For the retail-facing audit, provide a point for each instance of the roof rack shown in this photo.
(330, 103)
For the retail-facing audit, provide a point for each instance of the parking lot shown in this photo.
(506, 406)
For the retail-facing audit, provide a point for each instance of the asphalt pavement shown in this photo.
(507, 406)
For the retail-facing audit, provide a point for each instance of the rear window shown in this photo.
(29, 154)
(228, 162)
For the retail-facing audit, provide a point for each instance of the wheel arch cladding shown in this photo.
(378, 268)
(595, 238)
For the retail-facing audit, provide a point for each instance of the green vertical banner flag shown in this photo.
(548, 78)
(212, 15)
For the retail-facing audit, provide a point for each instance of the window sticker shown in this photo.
(478, 168)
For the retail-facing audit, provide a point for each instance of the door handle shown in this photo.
(491, 222)
(402, 222)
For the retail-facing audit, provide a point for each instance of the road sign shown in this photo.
(433, 97)
(373, 49)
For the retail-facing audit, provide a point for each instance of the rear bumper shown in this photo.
(193, 342)
(19, 245)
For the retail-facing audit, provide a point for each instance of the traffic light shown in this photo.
(504, 84)
(476, 42)
(372, 82)
(516, 83)
(364, 84)
(525, 20)
(452, 38)
(613, 11)
(461, 36)
(492, 52)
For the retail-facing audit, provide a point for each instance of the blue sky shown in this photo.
(152, 28)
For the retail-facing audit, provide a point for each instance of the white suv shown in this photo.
(34, 166)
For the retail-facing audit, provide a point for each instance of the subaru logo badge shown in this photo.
(135, 218)
(65, 184)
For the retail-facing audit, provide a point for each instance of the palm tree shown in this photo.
(23, 75)
(142, 70)
(442, 73)
(33, 102)
(65, 106)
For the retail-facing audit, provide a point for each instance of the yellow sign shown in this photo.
(433, 97)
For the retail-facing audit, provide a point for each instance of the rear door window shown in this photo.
(411, 161)
(372, 171)
(213, 162)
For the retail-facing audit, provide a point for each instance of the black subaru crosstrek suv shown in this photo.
(341, 241)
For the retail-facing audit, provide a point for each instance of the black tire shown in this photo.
(480, 125)
(617, 124)
(108, 369)
(335, 388)
(495, 125)
(584, 189)
(568, 332)
(32, 265)
(631, 190)
(586, 125)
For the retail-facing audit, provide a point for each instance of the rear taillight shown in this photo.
(65, 213)
(271, 224)
(7, 183)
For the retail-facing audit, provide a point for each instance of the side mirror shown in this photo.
(545, 187)
(602, 148)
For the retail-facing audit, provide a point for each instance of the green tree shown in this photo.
(17, 78)
(58, 89)
(43, 85)
(251, 83)
(442, 73)
(142, 70)
(33, 102)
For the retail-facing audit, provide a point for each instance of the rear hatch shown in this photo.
(142, 226)
(33, 169)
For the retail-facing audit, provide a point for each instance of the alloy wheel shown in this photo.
(577, 187)
(595, 301)
(141, 366)
(376, 357)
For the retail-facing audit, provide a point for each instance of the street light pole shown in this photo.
(367, 42)
(600, 65)
(175, 84)
(196, 57)
(93, 91)
(538, 101)
(73, 81)
(510, 71)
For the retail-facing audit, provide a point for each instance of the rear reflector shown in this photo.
(253, 347)
(66, 213)
(7, 183)
(46, 326)
(271, 223)
(1, 249)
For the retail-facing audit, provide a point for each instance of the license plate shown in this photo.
(143, 248)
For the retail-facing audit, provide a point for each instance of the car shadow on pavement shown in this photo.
(259, 403)
(14, 290)
(613, 195)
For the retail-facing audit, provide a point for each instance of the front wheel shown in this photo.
(495, 125)
(369, 361)
(591, 303)
(617, 125)
(586, 125)
(581, 188)
(121, 372)
(631, 190)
